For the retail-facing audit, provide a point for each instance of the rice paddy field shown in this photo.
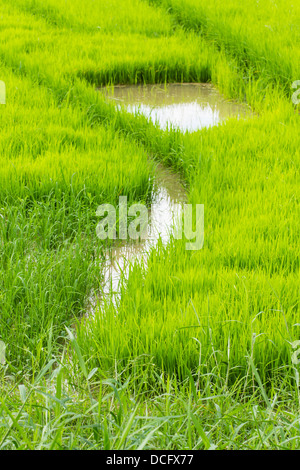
(201, 350)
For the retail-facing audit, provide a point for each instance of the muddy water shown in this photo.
(167, 201)
(188, 107)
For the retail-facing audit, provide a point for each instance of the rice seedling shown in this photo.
(199, 352)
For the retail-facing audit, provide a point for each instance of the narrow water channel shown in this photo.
(188, 107)
(168, 198)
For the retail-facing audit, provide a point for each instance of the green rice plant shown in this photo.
(199, 352)
(264, 37)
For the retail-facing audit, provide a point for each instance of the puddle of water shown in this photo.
(187, 107)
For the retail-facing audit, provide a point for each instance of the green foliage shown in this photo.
(198, 352)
